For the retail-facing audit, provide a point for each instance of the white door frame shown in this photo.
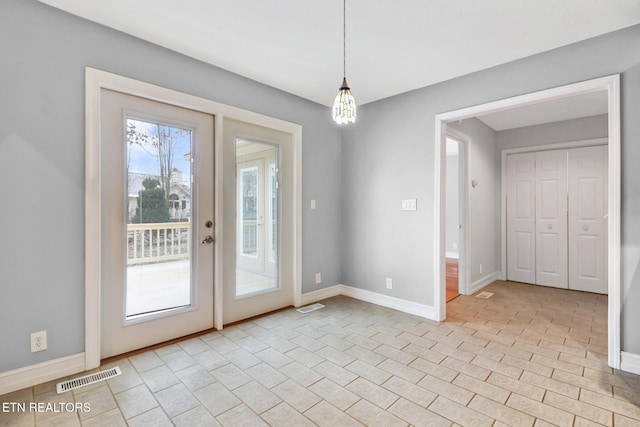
(464, 271)
(95, 81)
(611, 84)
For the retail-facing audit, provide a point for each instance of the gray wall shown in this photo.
(381, 240)
(389, 155)
(484, 199)
(42, 100)
(550, 133)
(631, 209)
(453, 206)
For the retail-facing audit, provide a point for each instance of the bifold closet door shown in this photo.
(588, 219)
(551, 218)
(557, 218)
(537, 218)
(521, 218)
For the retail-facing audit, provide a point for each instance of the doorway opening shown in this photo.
(455, 214)
(607, 88)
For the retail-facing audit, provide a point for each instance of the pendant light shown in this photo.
(344, 106)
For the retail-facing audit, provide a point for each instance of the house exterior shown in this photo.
(359, 174)
(179, 200)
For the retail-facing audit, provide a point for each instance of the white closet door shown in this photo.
(521, 218)
(551, 218)
(587, 219)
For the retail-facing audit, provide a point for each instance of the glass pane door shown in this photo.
(159, 239)
(260, 258)
(157, 211)
(257, 217)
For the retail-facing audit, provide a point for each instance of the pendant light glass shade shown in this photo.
(344, 106)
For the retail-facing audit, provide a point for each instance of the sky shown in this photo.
(142, 160)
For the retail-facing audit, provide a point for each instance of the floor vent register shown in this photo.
(87, 379)
(484, 295)
(310, 308)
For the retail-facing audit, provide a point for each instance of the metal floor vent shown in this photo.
(309, 308)
(484, 295)
(87, 379)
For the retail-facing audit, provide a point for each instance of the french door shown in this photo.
(259, 256)
(157, 222)
(257, 203)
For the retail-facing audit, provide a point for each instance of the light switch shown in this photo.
(313, 203)
(409, 205)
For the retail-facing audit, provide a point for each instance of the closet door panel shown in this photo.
(551, 218)
(521, 218)
(588, 219)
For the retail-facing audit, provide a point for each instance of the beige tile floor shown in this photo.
(528, 356)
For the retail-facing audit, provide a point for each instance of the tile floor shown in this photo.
(528, 356)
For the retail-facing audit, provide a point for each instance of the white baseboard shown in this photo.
(320, 294)
(630, 362)
(405, 306)
(484, 281)
(30, 376)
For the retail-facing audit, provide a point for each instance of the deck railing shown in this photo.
(157, 242)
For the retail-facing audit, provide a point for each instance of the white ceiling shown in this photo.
(393, 46)
(587, 105)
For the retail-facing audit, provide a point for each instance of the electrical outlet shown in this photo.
(313, 203)
(318, 278)
(38, 341)
(389, 283)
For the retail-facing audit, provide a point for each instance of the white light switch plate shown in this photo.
(409, 205)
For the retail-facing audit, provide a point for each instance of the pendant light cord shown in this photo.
(344, 38)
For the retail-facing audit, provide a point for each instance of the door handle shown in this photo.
(549, 226)
(585, 228)
(208, 240)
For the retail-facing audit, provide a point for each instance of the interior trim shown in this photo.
(630, 362)
(39, 373)
(402, 305)
(611, 84)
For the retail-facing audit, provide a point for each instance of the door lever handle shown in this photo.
(208, 240)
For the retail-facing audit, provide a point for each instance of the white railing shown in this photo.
(156, 242)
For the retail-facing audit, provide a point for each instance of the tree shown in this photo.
(159, 144)
(152, 204)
